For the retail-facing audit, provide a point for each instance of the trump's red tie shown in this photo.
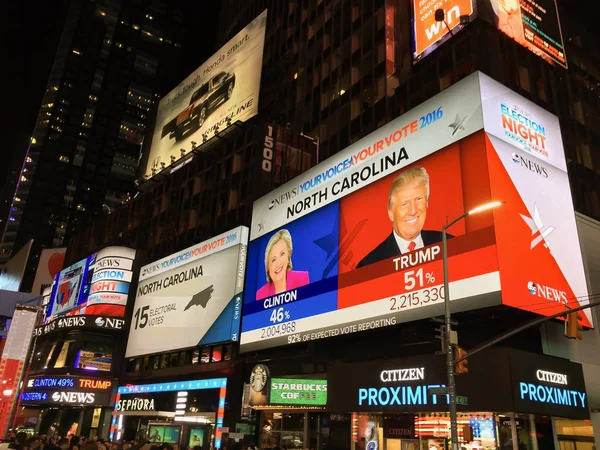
(411, 246)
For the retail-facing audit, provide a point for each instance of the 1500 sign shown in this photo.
(267, 164)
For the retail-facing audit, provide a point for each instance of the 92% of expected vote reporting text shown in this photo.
(279, 315)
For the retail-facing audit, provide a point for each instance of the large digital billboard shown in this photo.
(225, 88)
(95, 286)
(354, 243)
(533, 24)
(190, 298)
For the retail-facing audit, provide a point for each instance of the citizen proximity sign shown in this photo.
(388, 376)
(299, 392)
(543, 384)
(551, 377)
(105, 322)
(190, 298)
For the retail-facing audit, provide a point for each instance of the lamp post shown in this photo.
(449, 344)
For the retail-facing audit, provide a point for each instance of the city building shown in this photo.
(113, 59)
(336, 71)
(71, 383)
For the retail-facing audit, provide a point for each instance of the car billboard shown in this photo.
(95, 286)
(190, 298)
(355, 243)
(533, 24)
(223, 89)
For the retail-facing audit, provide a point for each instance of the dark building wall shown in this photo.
(113, 60)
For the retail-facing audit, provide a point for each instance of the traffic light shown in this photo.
(460, 367)
(572, 326)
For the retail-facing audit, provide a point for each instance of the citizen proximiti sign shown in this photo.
(111, 323)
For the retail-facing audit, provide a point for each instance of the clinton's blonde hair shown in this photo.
(281, 235)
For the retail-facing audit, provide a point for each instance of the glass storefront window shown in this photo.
(475, 431)
(282, 429)
(574, 434)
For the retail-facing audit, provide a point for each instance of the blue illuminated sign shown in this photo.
(550, 394)
(51, 382)
(213, 383)
(398, 395)
(34, 396)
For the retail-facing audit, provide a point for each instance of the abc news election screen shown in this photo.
(355, 243)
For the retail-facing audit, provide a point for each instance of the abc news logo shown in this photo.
(80, 321)
(547, 293)
(530, 165)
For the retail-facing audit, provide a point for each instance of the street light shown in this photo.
(449, 344)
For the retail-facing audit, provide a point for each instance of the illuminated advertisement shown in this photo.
(299, 392)
(533, 24)
(164, 434)
(95, 286)
(79, 390)
(89, 360)
(190, 298)
(186, 398)
(68, 287)
(355, 243)
(428, 33)
(51, 262)
(222, 90)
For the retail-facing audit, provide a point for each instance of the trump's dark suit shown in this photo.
(389, 247)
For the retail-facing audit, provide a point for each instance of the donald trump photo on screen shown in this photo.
(407, 210)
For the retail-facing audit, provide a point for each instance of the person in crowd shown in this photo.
(278, 267)
(63, 444)
(33, 443)
(20, 442)
(74, 443)
(407, 210)
(49, 444)
(90, 445)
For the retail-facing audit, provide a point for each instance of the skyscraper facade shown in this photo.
(112, 60)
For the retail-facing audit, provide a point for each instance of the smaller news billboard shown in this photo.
(190, 298)
(95, 286)
(68, 390)
(534, 24)
(225, 88)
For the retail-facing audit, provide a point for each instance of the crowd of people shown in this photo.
(23, 441)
